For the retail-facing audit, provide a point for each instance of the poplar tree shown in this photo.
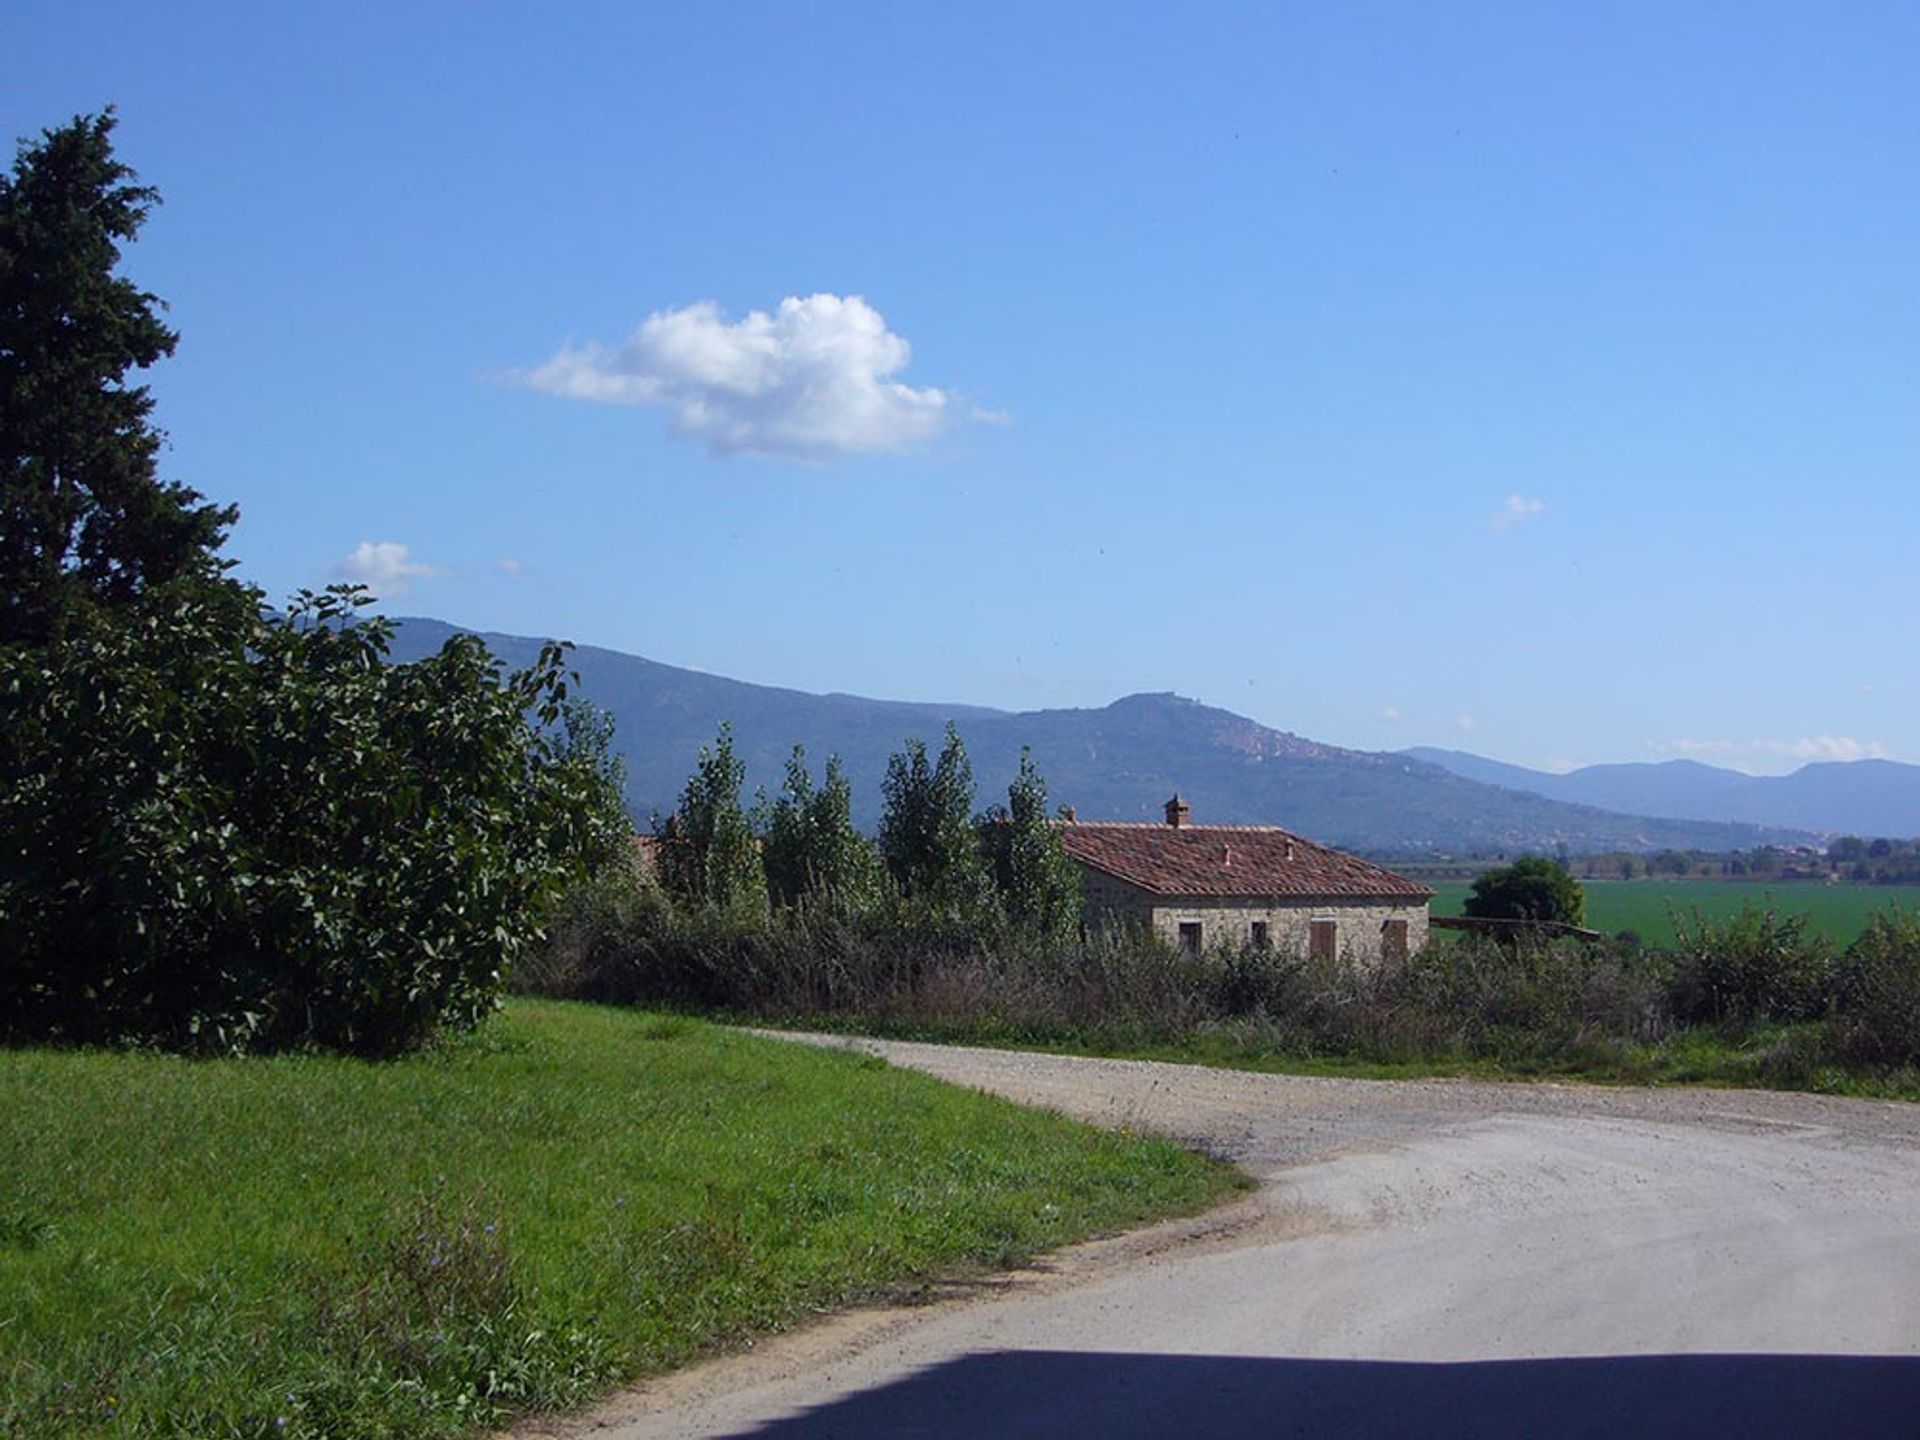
(812, 851)
(1038, 882)
(927, 832)
(708, 851)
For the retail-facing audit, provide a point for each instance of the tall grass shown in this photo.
(1731, 988)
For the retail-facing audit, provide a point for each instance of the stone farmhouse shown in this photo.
(1203, 885)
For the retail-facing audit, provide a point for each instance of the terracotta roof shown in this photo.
(1229, 860)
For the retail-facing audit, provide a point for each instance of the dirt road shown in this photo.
(1421, 1258)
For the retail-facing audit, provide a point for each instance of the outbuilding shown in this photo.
(1198, 886)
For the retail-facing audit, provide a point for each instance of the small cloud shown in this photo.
(1519, 508)
(385, 567)
(1389, 712)
(811, 381)
(1867, 687)
(511, 565)
(1823, 747)
(981, 415)
(1465, 722)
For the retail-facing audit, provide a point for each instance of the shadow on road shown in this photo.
(1011, 1395)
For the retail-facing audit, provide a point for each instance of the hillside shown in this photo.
(1117, 762)
(1859, 797)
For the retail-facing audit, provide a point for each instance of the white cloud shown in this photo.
(386, 567)
(511, 564)
(1824, 747)
(1465, 722)
(1389, 712)
(811, 381)
(1518, 508)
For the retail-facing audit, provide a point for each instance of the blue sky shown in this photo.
(1538, 380)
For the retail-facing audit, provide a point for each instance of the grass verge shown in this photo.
(1773, 1057)
(310, 1246)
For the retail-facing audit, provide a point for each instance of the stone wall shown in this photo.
(1359, 925)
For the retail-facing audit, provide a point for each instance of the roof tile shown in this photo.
(1230, 860)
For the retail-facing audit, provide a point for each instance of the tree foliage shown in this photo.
(221, 828)
(927, 834)
(708, 852)
(226, 829)
(1534, 888)
(812, 852)
(1039, 885)
(84, 515)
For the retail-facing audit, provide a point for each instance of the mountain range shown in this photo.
(1855, 797)
(1117, 762)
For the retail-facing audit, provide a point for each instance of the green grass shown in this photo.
(1775, 1057)
(1646, 907)
(319, 1246)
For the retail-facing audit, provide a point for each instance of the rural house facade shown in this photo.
(1198, 886)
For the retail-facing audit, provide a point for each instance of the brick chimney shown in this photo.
(1177, 811)
(1067, 814)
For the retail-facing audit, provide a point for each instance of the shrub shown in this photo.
(1877, 992)
(1533, 888)
(231, 830)
(1759, 965)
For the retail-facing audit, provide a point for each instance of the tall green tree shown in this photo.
(813, 853)
(222, 827)
(927, 833)
(84, 515)
(708, 852)
(1038, 882)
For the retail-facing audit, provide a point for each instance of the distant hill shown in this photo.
(1119, 762)
(1857, 797)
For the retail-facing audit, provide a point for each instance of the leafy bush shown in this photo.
(230, 830)
(1533, 888)
(1759, 965)
(1877, 988)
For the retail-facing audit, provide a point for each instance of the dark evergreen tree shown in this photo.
(84, 515)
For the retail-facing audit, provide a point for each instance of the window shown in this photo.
(1393, 940)
(1190, 937)
(1259, 935)
(1323, 939)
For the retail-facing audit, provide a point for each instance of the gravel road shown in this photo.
(1421, 1258)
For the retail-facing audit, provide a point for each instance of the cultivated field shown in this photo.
(1647, 907)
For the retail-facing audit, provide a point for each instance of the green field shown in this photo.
(1646, 907)
(317, 1246)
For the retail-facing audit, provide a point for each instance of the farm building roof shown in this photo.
(1216, 860)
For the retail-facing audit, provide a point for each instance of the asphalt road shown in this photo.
(1421, 1258)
